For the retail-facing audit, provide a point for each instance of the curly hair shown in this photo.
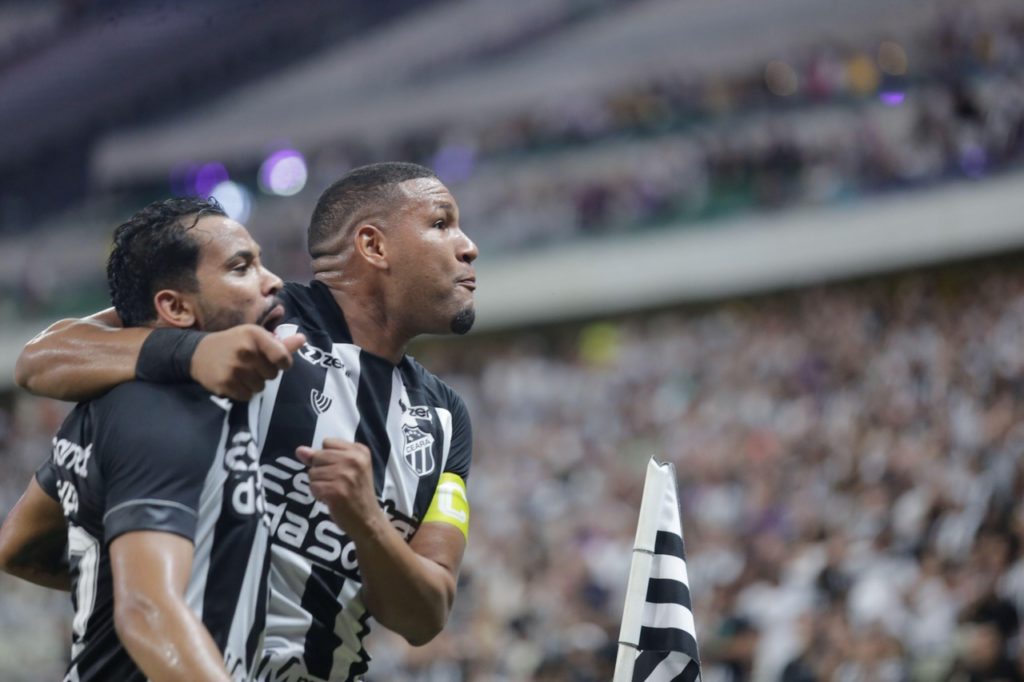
(153, 250)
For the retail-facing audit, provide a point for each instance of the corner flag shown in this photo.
(658, 640)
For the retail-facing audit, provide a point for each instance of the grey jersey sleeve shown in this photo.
(154, 468)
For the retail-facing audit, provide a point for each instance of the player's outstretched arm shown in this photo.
(408, 587)
(82, 359)
(33, 540)
(162, 635)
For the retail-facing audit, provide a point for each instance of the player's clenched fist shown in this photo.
(341, 476)
(236, 362)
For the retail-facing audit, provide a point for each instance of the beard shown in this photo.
(463, 321)
(216, 319)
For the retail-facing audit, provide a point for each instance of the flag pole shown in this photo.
(658, 476)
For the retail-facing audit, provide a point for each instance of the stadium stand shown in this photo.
(849, 455)
(660, 191)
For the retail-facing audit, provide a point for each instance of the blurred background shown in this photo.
(776, 242)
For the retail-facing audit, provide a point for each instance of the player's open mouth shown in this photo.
(269, 319)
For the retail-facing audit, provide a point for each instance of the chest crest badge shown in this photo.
(418, 449)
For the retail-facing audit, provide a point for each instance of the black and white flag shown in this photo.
(658, 640)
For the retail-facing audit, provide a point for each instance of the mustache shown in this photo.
(270, 308)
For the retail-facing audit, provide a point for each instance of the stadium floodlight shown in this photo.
(235, 199)
(283, 173)
(207, 177)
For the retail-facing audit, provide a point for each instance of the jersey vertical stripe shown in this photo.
(294, 422)
(372, 405)
(227, 579)
(317, 621)
(211, 502)
(442, 448)
(323, 594)
(400, 482)
(268, 398)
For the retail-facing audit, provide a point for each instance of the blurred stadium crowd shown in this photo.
(829, 123)
(834, 122)
(850, 456)
(851, 473)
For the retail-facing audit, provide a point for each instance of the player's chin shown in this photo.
(463, 320)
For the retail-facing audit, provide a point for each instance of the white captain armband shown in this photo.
(450, 504)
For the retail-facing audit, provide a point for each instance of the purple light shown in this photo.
(183, 178)
(284, 173)
(973, 161)
(455, 162)
(234, 199)
(892, 98)
(209, 176)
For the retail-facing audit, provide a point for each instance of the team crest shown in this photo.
(419, 449)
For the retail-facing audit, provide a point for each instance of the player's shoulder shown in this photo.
(312, 308)
(295, 296)
(158, 411)
(141, 395)
(433, 385)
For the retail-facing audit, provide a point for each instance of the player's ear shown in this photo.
(370, 245)
(175, 308)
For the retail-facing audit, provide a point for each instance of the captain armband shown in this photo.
(450, 504)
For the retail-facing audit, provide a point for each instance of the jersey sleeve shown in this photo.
(46, 477)
(154, 469)
(461, 453)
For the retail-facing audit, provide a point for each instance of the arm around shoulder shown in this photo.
(79, 359)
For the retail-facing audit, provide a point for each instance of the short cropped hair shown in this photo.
(360, 194)
(153, 250)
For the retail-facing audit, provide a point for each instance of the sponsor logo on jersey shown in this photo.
(321, 402)
(244, 485)
(418, 449)
(303, 524)
(68, 496)
(419, 412)
(319, 357)
(72, 456)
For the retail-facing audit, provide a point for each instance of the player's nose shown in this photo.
(467, 250)
(271, 283)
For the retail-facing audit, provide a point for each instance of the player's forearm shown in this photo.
(79, 359)
(42, 576)
(33, 540)
(42, 561)
(167, 641)
(407, 593)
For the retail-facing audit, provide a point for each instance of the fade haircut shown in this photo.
(153, 250)
(362, 193)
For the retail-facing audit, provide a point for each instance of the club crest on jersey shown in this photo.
(418, 450)
(321, 402)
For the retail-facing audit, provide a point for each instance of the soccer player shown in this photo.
(365, 454)
(166, 526)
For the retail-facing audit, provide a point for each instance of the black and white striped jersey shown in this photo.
(419, 433)
(173, 459)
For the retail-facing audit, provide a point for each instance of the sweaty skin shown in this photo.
(33, 540)
(83, 358)
(408, 274)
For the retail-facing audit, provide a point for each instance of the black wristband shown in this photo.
(166, 355)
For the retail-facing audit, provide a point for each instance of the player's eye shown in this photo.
(440, 224)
